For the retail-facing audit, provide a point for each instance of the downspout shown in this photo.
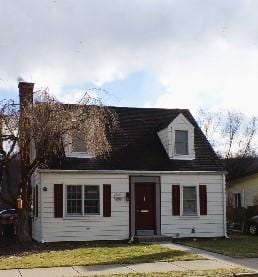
(224, 204)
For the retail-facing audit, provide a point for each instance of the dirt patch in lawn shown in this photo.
(12, 247)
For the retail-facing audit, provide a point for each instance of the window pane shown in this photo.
(91, 199)
(78, 142)
(181, 142)
(189, 201)
(74, 200)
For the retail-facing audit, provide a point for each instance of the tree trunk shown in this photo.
(23, 226)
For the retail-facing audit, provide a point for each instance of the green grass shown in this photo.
(240, 246)
(95, 255)
(208, 273)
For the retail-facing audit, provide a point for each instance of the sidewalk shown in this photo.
(215, 261)
(113, 269)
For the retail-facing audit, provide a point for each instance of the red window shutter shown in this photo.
(203, 199)
(37, 202)
(176, 199)
(58, 200)
(107, 200)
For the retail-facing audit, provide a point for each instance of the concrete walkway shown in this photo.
(215, 261)
(250, 263)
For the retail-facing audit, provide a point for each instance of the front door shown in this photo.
(145, 218)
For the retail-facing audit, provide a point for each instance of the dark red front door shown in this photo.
(145, 206)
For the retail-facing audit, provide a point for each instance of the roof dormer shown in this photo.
(178, 139)
(76, 146)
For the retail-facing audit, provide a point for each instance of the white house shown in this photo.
(161, 179)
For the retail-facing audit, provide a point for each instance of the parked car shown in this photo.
(9, 214)
(8, 218)
(252, 225)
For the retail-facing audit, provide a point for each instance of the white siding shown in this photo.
(116, 227)
(94, 227)
(163, 136)
(210, 225)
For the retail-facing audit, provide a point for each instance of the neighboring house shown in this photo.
(162, 178)
(10, 187)
(242, 182)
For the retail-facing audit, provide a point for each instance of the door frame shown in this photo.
(144, 179)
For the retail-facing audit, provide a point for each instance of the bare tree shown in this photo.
(231, 133)
(43, 125)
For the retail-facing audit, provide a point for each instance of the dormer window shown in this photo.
(181, 142)
(178, 139)
(77, 146)
(78, 143)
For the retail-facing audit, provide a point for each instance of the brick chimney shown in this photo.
(25, 94)
(26, 99)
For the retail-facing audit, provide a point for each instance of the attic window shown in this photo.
(78, 143)
(181, 142)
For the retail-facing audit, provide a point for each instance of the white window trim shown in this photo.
(83, 215)
(70, 153)
(182, 203)
(187, 126)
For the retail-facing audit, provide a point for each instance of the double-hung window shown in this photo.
(78, 143)
(181, 142)
(82, 200)
(189, 200)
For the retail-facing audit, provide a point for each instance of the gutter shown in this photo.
(128, 171)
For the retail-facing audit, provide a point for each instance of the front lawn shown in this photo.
(238, 246)
(92, 254)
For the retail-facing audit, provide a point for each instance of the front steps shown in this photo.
(153, 238)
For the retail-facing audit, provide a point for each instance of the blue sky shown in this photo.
(148, 53)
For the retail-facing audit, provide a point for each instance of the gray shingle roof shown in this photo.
(136, 146)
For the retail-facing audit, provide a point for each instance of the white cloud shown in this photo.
(202, 52)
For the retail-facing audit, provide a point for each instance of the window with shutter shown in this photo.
(82, 200)
(189, 201)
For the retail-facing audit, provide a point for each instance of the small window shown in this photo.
(189, 201)
(78, 143)
(74, 200)
(238, 203)
(91, 199)
(181, 142)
